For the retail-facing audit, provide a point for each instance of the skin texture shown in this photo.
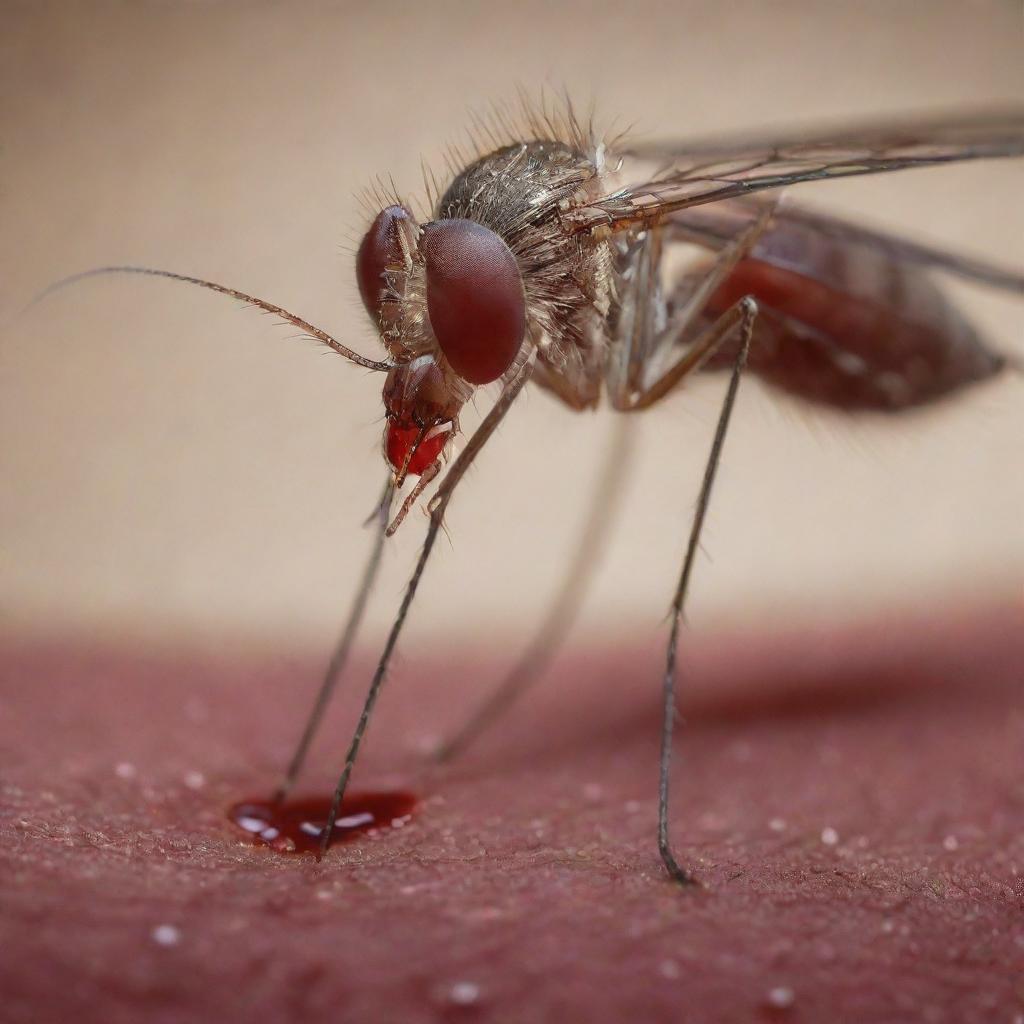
(851, 799)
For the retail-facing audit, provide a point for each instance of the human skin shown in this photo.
(849, 798)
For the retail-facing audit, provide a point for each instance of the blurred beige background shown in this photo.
(173, 464)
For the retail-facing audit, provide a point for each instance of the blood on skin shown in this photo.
(295, 827)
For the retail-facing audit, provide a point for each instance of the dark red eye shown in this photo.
(475, 298)
(381, 246)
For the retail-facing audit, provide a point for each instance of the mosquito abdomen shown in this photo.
(849, 326)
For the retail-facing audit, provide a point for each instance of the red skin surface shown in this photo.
(529, 869)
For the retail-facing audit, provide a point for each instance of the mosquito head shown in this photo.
(448, 301)
(422, 409)
(451, 287)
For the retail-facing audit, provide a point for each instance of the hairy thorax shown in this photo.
(521, 192)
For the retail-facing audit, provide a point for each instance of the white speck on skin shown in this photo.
(888, 926)
(195, 780)
(593, 792)
(166, 935)
(742, 751)
(428, 744)
(668, 969)
(829, 836)
(125, 770)
(950, 843)
(464, 993)
(777, 825)
(632, 806)
(781, 998)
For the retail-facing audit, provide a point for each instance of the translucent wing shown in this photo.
(714, 227)
(706, 171)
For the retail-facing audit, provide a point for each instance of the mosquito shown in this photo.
(544, 258)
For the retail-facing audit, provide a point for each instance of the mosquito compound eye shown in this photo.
(475, 298)
(381, 246)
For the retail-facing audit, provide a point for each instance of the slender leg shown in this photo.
(743, 313)
(341, 652)
(652, 349)
(438, 505)
(564, 609)
(656, 382)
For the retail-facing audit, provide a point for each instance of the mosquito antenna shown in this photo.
(565, 608)
(749, 313)
(341, 652)
(262, 304)
(438, 505)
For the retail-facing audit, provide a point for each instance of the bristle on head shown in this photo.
(526, 118)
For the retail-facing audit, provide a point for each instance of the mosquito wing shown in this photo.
(706, 171)
(716, 226)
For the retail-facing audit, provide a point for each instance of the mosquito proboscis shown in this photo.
(543, 259)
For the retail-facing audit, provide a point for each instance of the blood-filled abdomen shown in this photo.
(850, 326)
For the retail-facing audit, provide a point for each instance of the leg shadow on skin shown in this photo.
(815, 675)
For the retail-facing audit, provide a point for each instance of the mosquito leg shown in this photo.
(438, 505)
(744, 312)
(640, 377)
(627, 397)
(341, 652)
(566, 605)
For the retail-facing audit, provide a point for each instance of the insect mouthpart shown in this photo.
(422, 410)
(412, 450)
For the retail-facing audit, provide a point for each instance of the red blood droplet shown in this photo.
(475, 298)
(296, 826)
(398, 440)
